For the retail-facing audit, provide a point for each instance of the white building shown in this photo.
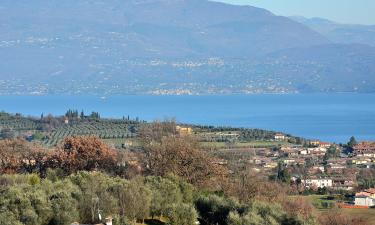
(318, 182)
(317, 151)
(364, 201)
(289, 161)
(365, 198)
(303, 152)
(280, 137)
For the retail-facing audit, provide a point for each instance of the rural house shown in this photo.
(365, 198)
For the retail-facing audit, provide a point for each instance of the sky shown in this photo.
(343, 11)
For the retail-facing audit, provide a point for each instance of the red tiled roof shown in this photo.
(362, 194)
(365, 146)
(366, 193)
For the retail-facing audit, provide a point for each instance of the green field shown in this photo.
(250, 144)
(320, 200)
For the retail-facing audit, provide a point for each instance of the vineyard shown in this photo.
(104, 129)
(17, 123)
(21, 124)
(51, 130)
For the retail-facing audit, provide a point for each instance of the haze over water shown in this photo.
(329, 117)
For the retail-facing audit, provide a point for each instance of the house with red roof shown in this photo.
(365, 198)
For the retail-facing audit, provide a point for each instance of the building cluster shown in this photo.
(330, 182)
(363, 155)
(318, 164)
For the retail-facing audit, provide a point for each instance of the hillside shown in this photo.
(163, 47)
(328, 68)
(159, 28)
(341, 33)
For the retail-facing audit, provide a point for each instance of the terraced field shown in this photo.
(19, 124)
(104, 129)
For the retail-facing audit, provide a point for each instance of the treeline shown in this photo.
(180, 156)
(248, 134)
(89, 196)
(76, 153)
(74, 114)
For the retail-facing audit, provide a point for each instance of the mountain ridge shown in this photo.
(164, 46)
(340, 32)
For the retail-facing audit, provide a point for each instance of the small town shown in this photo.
(316, 166)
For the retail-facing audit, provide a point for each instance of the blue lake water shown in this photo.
(329, 117)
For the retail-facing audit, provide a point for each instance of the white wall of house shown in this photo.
(318, 182)
(364, 201)
(280, 137)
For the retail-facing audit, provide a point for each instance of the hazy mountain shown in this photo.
(153, 28)
(165, 46)
(331, 67)
(341, 33)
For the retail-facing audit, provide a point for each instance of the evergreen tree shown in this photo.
(352, 142)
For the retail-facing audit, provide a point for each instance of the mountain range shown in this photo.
(340, 33)
(176, 47)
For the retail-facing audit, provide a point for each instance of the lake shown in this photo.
(329, 117)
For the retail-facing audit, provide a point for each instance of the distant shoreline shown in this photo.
(176, 95)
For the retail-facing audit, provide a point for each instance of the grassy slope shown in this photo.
(251, 144)
(366, 214)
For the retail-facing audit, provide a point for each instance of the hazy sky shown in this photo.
(345, 11)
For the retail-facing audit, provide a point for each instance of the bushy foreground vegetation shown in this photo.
(29, 200)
